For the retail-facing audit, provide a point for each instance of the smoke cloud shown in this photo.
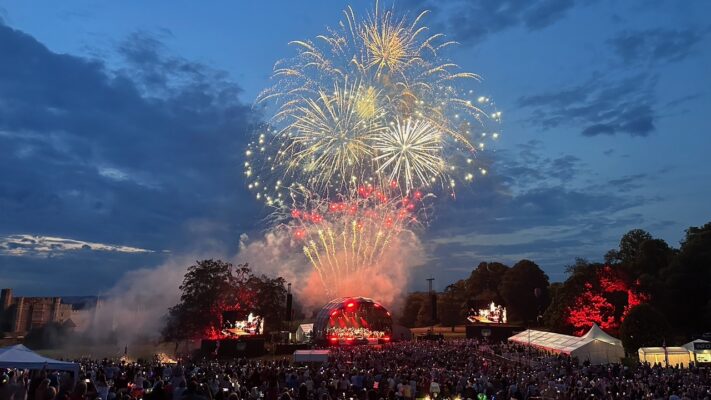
(133, 311)
(278, 254)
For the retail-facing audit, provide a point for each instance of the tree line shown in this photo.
(645, 291)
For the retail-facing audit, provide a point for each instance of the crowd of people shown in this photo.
(452, 369)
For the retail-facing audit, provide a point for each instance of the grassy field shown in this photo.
(135, 351)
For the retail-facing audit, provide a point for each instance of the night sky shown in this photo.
(123, 127)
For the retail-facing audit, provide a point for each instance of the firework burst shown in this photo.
(350, 235)
(369, 120)
(347, 88)
(410, 153)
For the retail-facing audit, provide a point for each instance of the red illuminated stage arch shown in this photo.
(353, 320)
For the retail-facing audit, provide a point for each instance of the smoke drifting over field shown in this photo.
(278, 254)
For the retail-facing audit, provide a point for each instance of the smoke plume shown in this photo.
(278, 254)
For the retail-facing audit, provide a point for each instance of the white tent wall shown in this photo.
(598, 352)
(303, 331)
(596, 346)
(675, 356)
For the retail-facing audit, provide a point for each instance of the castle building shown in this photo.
(19, 315)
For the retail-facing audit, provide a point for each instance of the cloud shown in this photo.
(139, 152)
(22, 245)
(601, 106)
(472, 21)
(656, 45)
(537, 207)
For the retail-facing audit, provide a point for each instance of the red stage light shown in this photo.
(386, 338)
(334, 312)
(333, 339)
(377, 305)
(350, 305)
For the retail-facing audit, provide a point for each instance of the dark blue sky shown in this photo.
(122, 127)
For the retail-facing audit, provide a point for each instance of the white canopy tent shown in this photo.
(20, 357)
(701, 353)
(598, 334)
(672, 356)
(595, 346)
(303, 332)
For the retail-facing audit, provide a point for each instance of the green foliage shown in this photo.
(629, 247)
(413, 302)
(213, 286)
(518, 289)
(482, 286)
(684, 294)
(452, 304)
(644, 326)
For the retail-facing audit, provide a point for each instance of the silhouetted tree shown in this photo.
(213, 286)
(518, 288)
(452, 305)
(411, 309)
(686, 283)
(483, 284)
(644, 326)
(629, 247)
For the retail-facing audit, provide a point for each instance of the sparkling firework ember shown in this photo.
(369, 119)
(348, 87)
(341, 238)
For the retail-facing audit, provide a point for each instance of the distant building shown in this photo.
(20, 315)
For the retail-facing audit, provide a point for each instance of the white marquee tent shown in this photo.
(702, 352)
(672, 356)
(304, 332)
(595, 346)
(20, 357)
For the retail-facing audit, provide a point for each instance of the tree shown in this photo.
(519, 288)
(686, 284)
(211, 287)
(563, 296)
(629, 247)
(482, 286)
(644, 326)
(452, 306)
(270, 297)
(411, 309)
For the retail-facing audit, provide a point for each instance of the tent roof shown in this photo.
(550, 340)
(690, 346)
(669, 350)
(596, 332)
(306, 328)
(21, 357)
(563, 343)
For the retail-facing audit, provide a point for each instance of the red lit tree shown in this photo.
(211, 287)
(606, 299)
